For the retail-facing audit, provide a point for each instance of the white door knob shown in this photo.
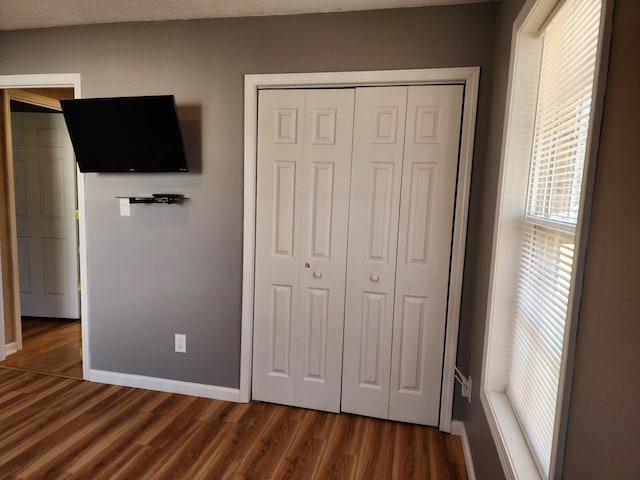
(374, 278)
(317, 274)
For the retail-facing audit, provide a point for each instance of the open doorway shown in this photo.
(41, 170)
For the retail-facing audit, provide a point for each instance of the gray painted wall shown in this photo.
(178, 269)
(169, 269)
(602, 438)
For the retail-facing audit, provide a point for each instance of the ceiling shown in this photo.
(22, 14)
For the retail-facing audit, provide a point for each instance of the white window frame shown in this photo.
(526, 48)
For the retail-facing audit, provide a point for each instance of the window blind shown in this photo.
(560, 137)
(563, 111)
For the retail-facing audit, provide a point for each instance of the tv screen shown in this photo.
(125, 134)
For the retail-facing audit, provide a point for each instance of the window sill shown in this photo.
(517, 461)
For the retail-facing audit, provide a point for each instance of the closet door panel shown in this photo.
(279, 179)
(424, 250)
(323, 229)
(379, 125)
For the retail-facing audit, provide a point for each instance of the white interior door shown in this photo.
(303, 170)
(373, 234)
(434, 114)
(44, 176)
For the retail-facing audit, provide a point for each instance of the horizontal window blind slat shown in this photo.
(575, 118)
(572, 133)
(548, 363)
(544, 283)
(530, 391)
(579, 57)
(554, 309)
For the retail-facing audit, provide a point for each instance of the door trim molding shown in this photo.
(467, 76)
(52, 80)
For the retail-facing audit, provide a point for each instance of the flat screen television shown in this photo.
(125, 134)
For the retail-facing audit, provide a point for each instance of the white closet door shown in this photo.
(384, 209)
(424, 251)
(304, 145)
(371, 264)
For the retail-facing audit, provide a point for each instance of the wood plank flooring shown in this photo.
(63, 428)
(49, 346)
(59, 428)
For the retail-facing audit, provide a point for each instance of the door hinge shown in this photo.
(79, 286)
(77, 214)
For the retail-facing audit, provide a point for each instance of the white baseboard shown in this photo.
(164, 385)
(457, 428)
(10, 348)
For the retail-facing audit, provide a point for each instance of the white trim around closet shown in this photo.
(467, 76)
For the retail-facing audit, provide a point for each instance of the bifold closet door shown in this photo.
(401, 224)
(373, 234)
(303, 172)
(431, 153)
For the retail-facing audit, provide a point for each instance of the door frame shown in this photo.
(10, 82)
(52, 104)
(469, 77)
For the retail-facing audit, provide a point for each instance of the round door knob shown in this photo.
(374, 278)
(317, 274)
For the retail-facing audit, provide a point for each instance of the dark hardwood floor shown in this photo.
(49, 345)
(63, 428)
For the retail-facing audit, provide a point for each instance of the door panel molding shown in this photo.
(467, 76)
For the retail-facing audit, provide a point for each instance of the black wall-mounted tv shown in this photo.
(125, 134)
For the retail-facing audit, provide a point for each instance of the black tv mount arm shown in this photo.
(165, 198)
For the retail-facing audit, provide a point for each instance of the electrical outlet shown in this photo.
(125, 207)
(181, 343)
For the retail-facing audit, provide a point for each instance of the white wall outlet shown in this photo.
(181, 343)
(125, 207)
